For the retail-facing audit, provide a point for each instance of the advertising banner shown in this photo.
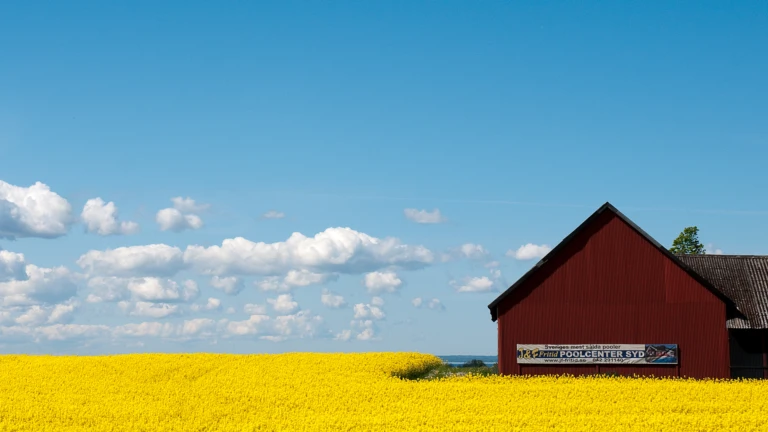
(597, 354)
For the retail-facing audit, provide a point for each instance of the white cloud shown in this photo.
(13, 266)
(37, 315)
(273, 214)
(229, 285)
(472, 251)
(377, 301)
(33, 211)
(255, 309)
(41, 285)
(343, 335)
(253, 325)
(366, 311)
(368, 332)
(301, 324)
(283, 304)
(431, 304)
(102, 218)
(147, 309)
(475, 284)
(435, 304)
(492, 264)
(197, 327)
(294, 278)
(170, 219)
(211, 304)
(424, 216)
(341, 250)
(194, 328)
(162, 290)
(155, 329)
(378, 282)
(230, 310)
(107, 289)
(60, 332)
(181, 216)
(529, 251)
(709, 249)
(300, 278)
(188, 205)
(147, 260)
(332, 300)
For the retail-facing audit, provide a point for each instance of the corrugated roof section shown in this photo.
(742, 278)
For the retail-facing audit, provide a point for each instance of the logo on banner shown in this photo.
(597, 354)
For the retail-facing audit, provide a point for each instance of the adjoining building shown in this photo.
(611, 299)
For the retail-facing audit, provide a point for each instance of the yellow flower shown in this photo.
(349, 392)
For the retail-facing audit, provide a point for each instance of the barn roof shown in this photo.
(743, 278)
(607, 207)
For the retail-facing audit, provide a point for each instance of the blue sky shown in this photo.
(514, 121)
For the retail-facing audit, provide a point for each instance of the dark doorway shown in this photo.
(748, 354)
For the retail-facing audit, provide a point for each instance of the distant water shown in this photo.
(457, 360)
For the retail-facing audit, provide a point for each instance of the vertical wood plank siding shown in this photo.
(611, 286)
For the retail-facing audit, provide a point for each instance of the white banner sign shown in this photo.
(597, 354)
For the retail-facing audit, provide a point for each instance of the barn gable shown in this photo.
(610, 232)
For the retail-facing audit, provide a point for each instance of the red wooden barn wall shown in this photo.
(610, 285)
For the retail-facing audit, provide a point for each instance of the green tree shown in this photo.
(687, 243)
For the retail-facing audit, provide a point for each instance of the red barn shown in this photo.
(611, 299)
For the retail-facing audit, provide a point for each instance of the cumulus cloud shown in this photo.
(468, 251)
(41, 285)
(367, 311)
(182, 216)
(255, 309)
(378, 282)
(283, 304)
(107, 289)
(211, 304)
(148, 309)
(335, 250)
(709, 249)
(377, 301)
(332, 300)
(294, 278)
(253, 325)
(102, 218)
(529, 251)
(171, 219)
(57, 332)
(343, 335)
(368, 330)
(435, 304)
(194, 328)
(424, 216)
(475, 284)
(492, 264)
(229, 285)
(146, 289)
(273, 214)
(13, 266)
(33, 211)
(37, 315)
(147, 260)
(163, 290)
(301, 324)
(431, 304)
(188, 205)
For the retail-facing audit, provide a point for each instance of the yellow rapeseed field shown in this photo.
(348, 392)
